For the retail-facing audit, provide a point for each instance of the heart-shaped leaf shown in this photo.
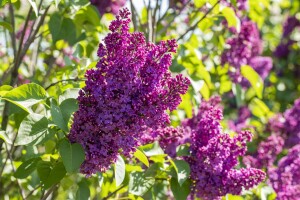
(72, 155)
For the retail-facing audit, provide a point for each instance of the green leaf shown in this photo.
(231, 18)
(69, 94)
(255, 80)
(62, 29)
(260, 109)
(119, 170)
(4, 137)
(6, 25)
(183, 150)
(4, 89)
(72, 155)
(239, 94)
(57, 117)
(138, 184)
(142, 157)
(33, 130)
(83, 192)
(180, 192)
(26, 168)
(68, 107)
(25, 95)
(152, 149)
(56, 3)
(49, 173)
(182, 169)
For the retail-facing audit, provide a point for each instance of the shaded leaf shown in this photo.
(72, 155)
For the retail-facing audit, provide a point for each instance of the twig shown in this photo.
(174, 16)
(32, 191)
(52, 189)
(71, 79)
(14, 170)
(14, 74)
(134, 14)
(13, 35)
(113, 193)
(196, 24)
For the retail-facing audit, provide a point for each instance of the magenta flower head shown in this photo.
(128, 92)
(214, 156)
(285, 179)
(244, 46)
(108, 6)
(287, 124)
(267, 152)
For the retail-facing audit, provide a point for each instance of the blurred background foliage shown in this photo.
(53, 42)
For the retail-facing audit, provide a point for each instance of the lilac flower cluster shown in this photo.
(108, 6)
(266, 153)
(288, 124)
(245, 49)
(241, 122)
(192, 123)
(285, 179)
(167, 137)
(289, 26)
(128, 92)
(214, 155)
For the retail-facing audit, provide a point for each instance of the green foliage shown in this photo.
(72, 155)
(25, 96)
(33, 130)
(41, 79)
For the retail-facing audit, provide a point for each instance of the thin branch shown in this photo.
(14, 74)
(32, 191)
(113, 193)
(52, 189)
(196, 24)
(174, 16)
(13, 35)
(71, 79)
(14, 170)
(134, 14)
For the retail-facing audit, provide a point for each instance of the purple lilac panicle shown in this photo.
(285, 179)
(267, 152)
(108, 6)
(128, 93)
(283, 49)
(241, 122)
(243, 47)
(287, 124)
(214, 155)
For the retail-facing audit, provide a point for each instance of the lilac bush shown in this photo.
(128, 93)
